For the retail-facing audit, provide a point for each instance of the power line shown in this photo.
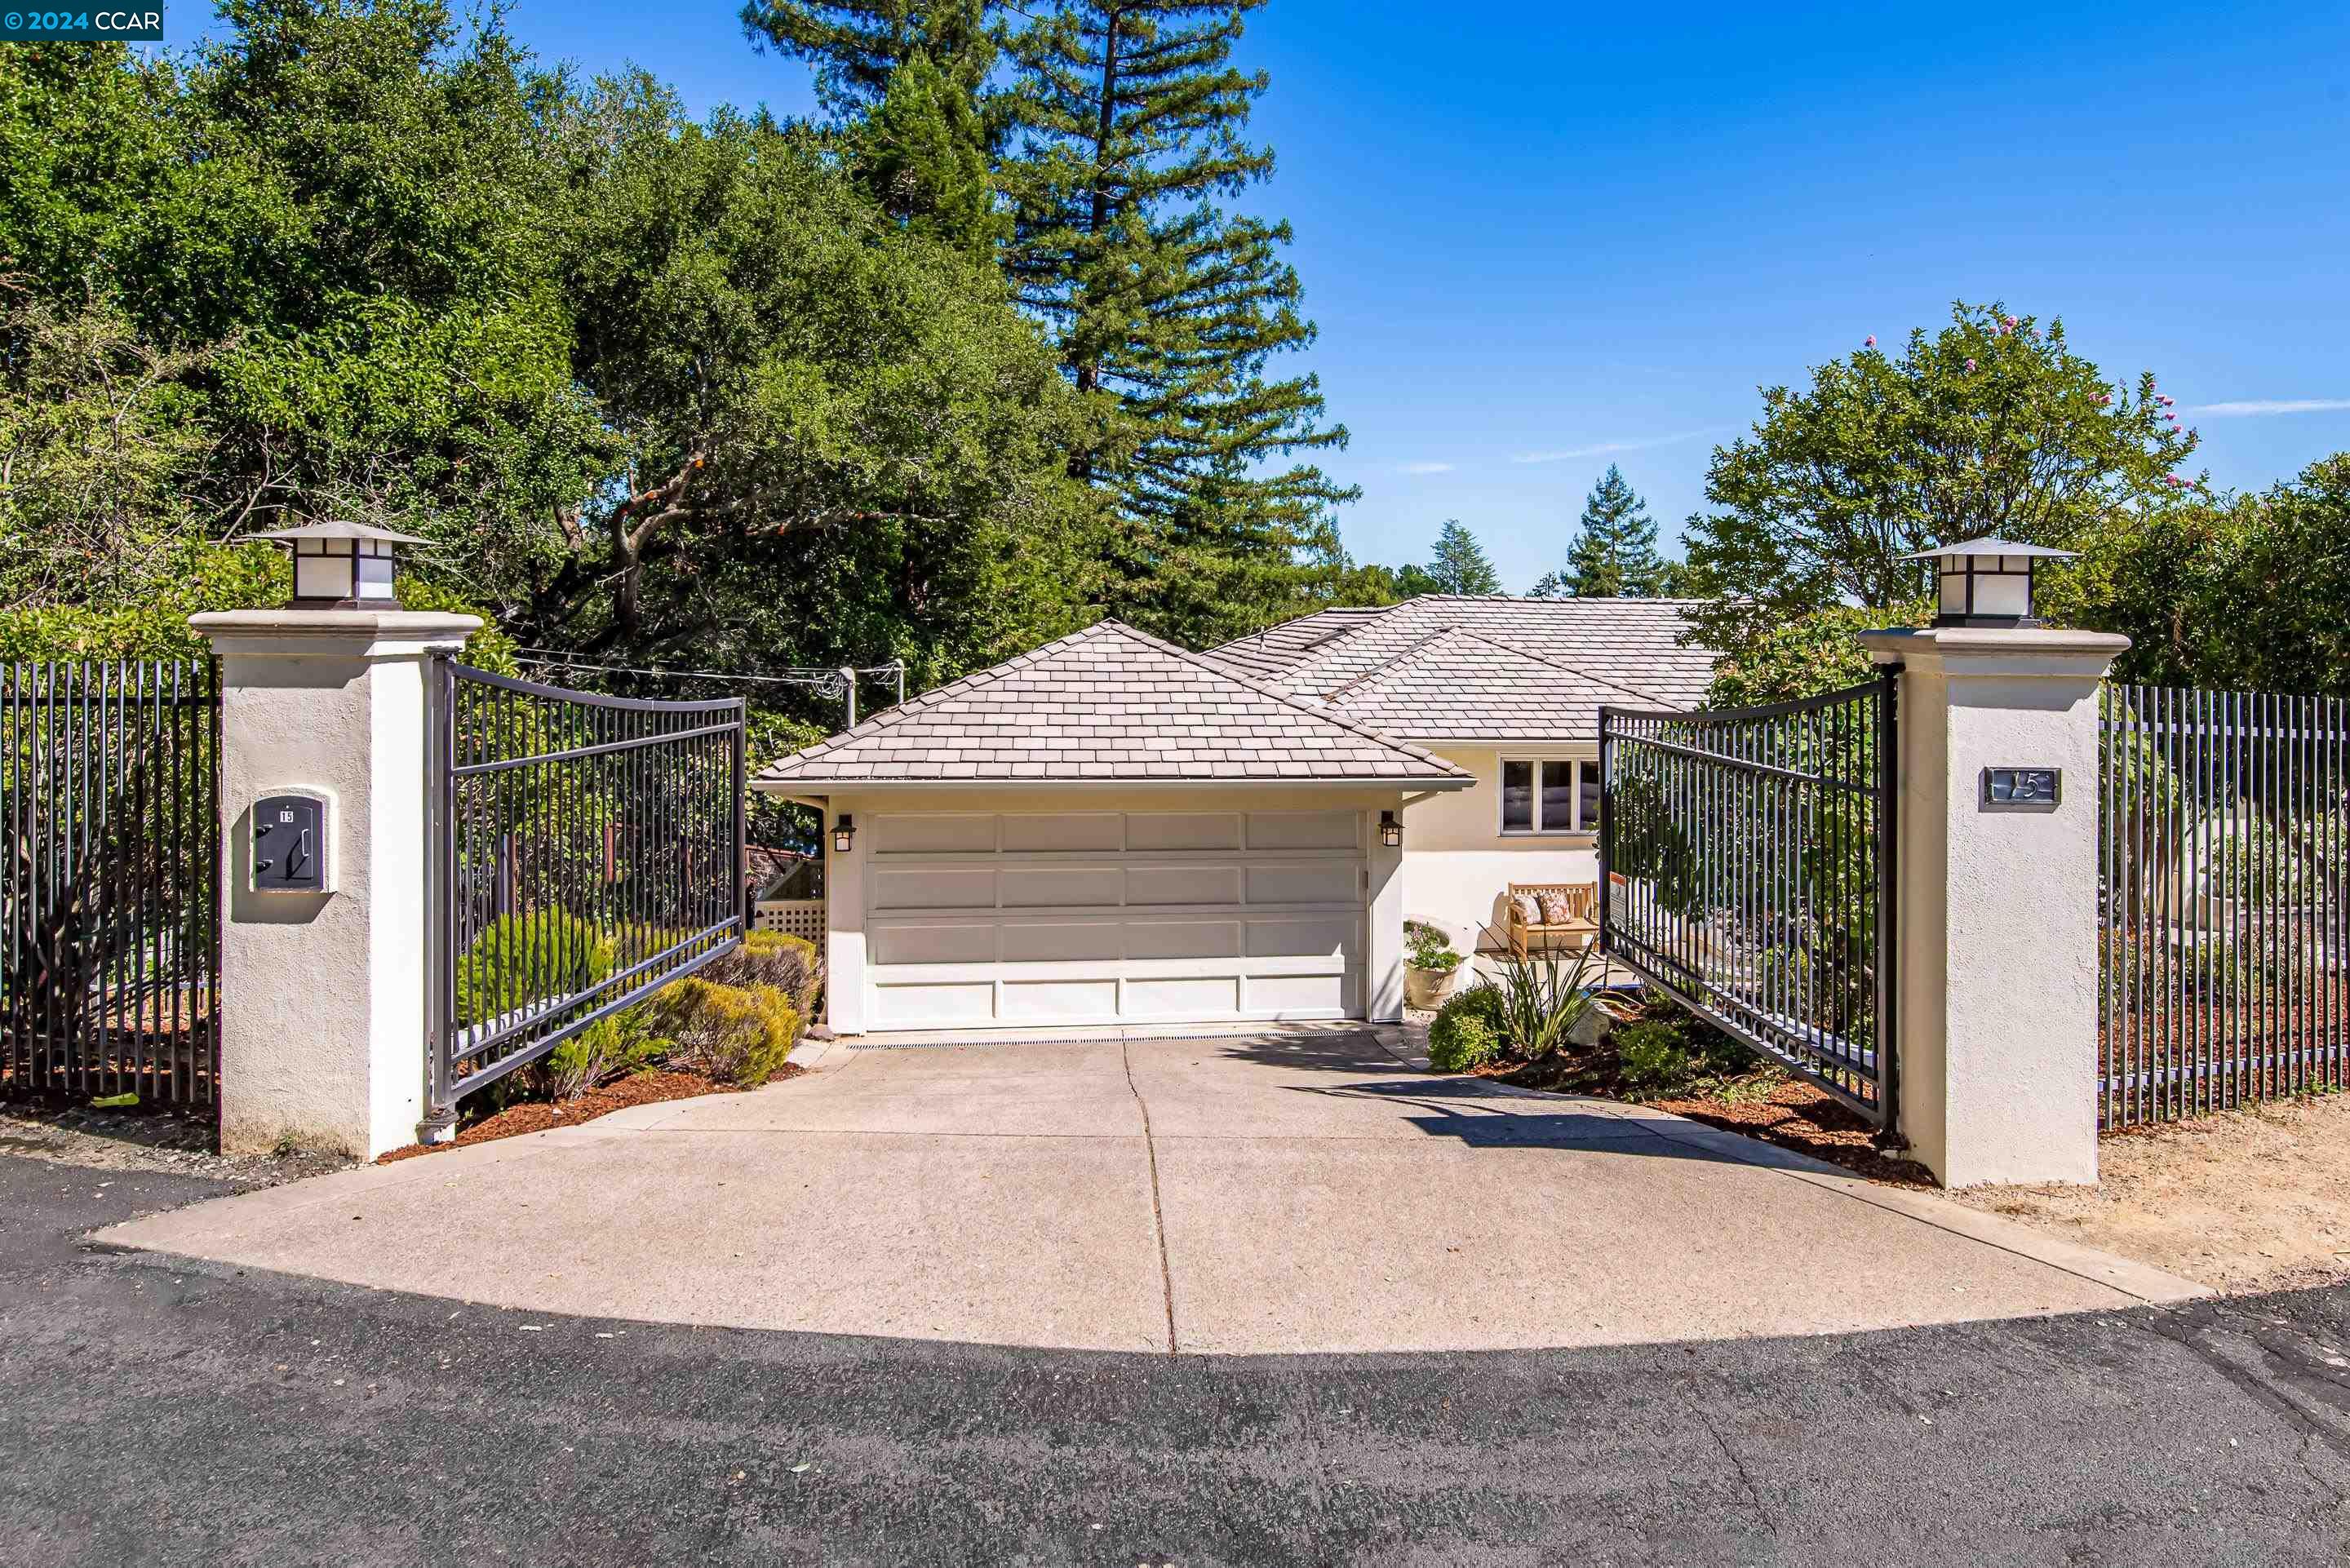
(827, 683)
(791, 677)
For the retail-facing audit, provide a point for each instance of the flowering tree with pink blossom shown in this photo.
(1991, 426)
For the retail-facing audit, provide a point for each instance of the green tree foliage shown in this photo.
(1991, 427)
(100, 444)
(327, 221)
(662, 393)
(923, 154)
(1111, 141)
(857, 46)
(2242, 592)
(839, 441)
(1806, 657)
(907, 79)
(1615, 551)
(1457, 567)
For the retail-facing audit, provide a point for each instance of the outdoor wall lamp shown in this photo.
(843, 832)
(342, 565)
(1987, 582)
(1390, 830)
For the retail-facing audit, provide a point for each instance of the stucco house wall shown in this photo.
(1458, 864)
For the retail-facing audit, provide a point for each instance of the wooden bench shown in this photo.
(1578, 931)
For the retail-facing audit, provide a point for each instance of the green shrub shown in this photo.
(1670, 1051)
(788, 963)
(1467, 1031)
(733, 1034)
(620, 1044)
(1651, 1055)
(518, 960)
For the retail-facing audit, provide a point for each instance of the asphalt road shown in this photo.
(154, 1413)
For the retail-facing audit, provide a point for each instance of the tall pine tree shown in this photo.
(1128, 122)
(1615, 551)
(1458, 566)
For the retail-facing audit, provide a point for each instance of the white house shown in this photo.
(1111, 829)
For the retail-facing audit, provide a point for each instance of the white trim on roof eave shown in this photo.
(1577, 738)
(1435, 782)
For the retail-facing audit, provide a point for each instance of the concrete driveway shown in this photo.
(1267, 1193)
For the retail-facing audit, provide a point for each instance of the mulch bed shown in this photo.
(1772, 1108)
(638, 1089)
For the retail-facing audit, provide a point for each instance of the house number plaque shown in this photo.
(2022, 789)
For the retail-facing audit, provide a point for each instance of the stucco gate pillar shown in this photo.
(324, 1025)
(1996, 1020)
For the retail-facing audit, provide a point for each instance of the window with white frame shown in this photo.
(1550, 794)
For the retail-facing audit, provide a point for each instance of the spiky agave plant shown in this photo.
(1543, 997)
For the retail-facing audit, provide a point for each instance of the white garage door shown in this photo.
(1011, 918)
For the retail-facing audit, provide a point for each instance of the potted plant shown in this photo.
(1430, 966)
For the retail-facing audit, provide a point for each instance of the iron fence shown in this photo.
(110, 891)
(2224, 849)
(589, 851)
(1746, 867)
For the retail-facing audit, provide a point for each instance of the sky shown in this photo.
(1539, 238)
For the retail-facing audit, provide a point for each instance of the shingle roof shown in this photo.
(1453, 667)
(1457, 686)
(1278, 648)
(1109, 704)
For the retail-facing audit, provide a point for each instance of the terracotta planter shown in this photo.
(1427, 988)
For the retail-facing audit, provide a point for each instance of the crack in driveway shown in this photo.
(1158, 1214)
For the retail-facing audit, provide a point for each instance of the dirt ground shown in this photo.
(2256, 1199)
(535, 1116)
(146, 1140)
(2252, 1199)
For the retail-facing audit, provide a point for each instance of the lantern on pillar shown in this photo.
(342, 565)
(1987, 582)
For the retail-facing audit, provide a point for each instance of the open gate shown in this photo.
(589, 850)
(1747, 868)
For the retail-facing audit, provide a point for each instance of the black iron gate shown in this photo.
(1746, 867)
(589, 850)
(2224, 861)
(109, 888)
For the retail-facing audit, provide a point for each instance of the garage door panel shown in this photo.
(1304, 830)
(1184, 830)
(1063, 831)
(1027, 941)
(1061, 887)
(895, 944)
(934, 1004)
(937, 887)
(922, 833)
(1301, 939)
(1148, 939)
(1053, 1000)
(1206, 996)
(1296, 993)
(1149, 884)
(1310, 882)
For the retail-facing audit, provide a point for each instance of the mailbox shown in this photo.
(289, 843)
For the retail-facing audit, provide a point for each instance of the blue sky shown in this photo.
(1538, 238)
